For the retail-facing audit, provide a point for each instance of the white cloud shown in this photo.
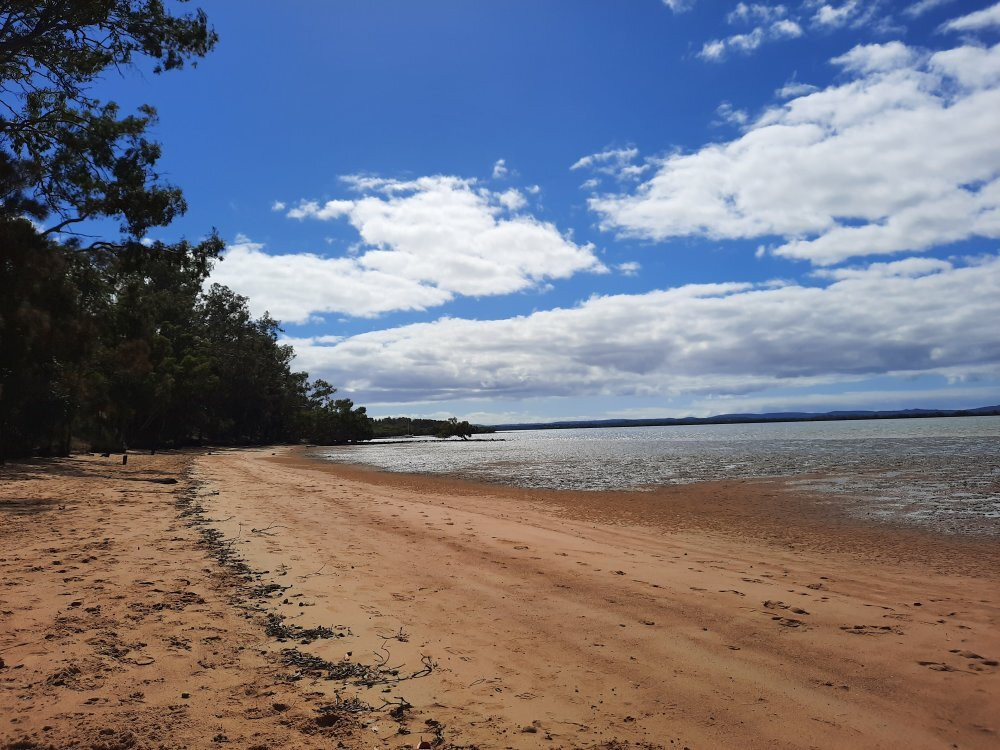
(746, 42)
(609, 161)
(902, 157)
(834, 16)
(312, 210)
(972, 67)
(679, 6)
(794, 88)
(278, 206)
(446, 232)
(422, 243)
(729, 114)
(775, 22)
(908, 267)
(716, 49)
(786, 28)
(748, 13)
(981, 19)
(923, 6)
(499, 169)
(512, 200)
(696, 339)
(619, 163)
(293, 287)
(713, 51)
(629, 268)
(871, 58)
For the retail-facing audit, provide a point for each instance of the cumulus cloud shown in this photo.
(785, 29)
(423, 242)
(836, 15)
(293, 287)
(898, 319)
(454, 235)
(981, 19)
(500, 169)
(872, 58)
(903, 156)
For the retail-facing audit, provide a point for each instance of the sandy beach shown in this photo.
(265, 599)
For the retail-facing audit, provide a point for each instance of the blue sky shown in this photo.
(583, 208)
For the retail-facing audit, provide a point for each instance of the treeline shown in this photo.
(443, 428)
(124, 348)
(114, 342)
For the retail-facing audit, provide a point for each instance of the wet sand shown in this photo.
(723, 614)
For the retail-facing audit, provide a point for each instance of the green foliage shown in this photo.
(64, 153)
(405, 426)
(125, 349)
(46, 337)
(330, 421)
(453, 428)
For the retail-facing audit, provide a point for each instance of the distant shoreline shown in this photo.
(831, 416)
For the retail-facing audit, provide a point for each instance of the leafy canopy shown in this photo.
(63, 153)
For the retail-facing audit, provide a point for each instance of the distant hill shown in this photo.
(784, 416)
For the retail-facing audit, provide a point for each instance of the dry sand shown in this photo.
(724, 614)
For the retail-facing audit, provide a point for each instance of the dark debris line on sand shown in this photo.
(345, 710)
(249, 594)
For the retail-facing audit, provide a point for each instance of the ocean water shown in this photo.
(944, 472)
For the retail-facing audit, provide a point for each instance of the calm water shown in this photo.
(945, 472)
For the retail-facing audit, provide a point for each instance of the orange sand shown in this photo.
(725, 614)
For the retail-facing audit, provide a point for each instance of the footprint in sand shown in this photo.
(870, 630)
(788, 622)
(781, 605)
(936, 666)
(983, 662)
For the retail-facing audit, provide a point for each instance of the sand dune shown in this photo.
(715, 615)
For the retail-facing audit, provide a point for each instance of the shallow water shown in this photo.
(944, 472)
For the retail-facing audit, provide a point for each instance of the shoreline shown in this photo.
(772, 509)
(512, 618)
